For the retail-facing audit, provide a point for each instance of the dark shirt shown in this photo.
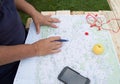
(12, 32)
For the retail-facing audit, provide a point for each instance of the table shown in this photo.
(26, 63)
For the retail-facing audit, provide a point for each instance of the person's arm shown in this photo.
(25, 7)
(42, 47)
(37, 17)
(10, 54)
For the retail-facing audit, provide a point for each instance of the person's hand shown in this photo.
(47, 46)
(40, 19)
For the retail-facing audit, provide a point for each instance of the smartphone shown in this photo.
(70, 76)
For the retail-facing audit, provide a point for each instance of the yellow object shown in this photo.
(98, 49)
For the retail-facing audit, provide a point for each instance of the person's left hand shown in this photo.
(40, 19)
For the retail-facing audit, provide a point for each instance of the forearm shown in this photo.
(10, 54)
(25, 7)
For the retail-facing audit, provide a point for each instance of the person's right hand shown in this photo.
(47, 46)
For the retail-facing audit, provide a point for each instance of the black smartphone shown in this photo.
(70, 76)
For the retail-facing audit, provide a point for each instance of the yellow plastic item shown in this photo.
(98, 49)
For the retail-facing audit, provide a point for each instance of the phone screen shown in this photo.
(70, 76)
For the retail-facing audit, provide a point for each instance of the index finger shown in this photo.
(53, 38)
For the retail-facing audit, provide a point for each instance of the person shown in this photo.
(12, 37)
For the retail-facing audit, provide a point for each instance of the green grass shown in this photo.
(73, 5)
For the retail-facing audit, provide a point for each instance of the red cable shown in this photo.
(95, 21)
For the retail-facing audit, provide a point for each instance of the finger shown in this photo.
(55, 20)
(51, 25)
(55, 51)
(37, 28)
(54, 38)
(57, 47)
(57, 43)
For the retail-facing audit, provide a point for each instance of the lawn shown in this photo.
(76, 5)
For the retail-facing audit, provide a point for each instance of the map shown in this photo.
(76, 53)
